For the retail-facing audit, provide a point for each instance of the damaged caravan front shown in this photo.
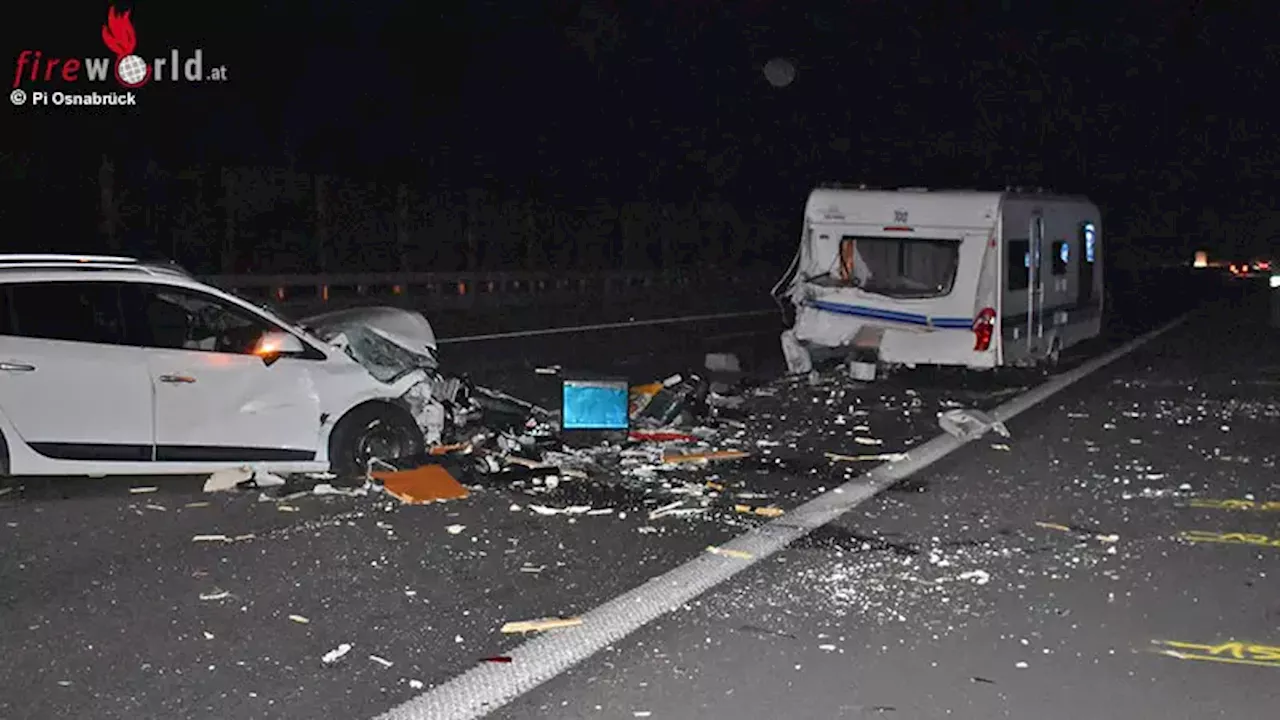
(964, 278)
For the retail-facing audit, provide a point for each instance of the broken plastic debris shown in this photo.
(524, 626)
(328, 489)
(210, 538)
(878, 457)
(299, 619)
(662, 436)
(968, 424)
(429, 483)
(722, 362)
(727, 552)
(868, 441)
(416, 684)
(142, 490)
(455, 529)
(761, 511)
(462, 447)
(217, 595)
(381, 661)
(264, 479)
(336, 654)
(703, 457)
(227, 479)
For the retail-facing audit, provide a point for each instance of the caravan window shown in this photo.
(1061, 257)
(1088, 239)
(1018, 262)
(900, 267)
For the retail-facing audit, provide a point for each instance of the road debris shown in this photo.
(218, 595)
(877, 457)
(381, 661)
(228, 479)
(968, 424)
(727, 552)
(336, 654)
(424, 484)
(704, 457)
(142, 490)
(299, 619)
(761, 511)
(540, 625)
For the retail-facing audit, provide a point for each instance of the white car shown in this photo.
(113, 366)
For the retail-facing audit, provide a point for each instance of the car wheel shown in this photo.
(372, 431)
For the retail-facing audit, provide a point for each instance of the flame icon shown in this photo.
(131, 70)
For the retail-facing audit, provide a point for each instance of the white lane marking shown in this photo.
(602, 326)
(488, 686)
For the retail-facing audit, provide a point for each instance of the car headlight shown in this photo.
(1274, 281)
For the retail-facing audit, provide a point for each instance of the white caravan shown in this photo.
(944, 277)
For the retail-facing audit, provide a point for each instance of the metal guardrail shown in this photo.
(479, 290)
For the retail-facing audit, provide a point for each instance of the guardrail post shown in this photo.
(1274, 291)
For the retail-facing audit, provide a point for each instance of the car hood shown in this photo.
(388, 341)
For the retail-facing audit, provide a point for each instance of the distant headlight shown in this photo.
(1274, 281)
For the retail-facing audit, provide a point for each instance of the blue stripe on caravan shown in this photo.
(893, 315)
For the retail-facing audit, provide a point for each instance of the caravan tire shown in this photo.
(1054, 356)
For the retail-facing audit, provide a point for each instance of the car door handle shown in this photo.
(177, 379)
(16, 367)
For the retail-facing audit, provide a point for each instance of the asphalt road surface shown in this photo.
(1120, 559)
(110, 608)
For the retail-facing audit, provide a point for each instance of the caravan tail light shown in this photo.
(983, 327)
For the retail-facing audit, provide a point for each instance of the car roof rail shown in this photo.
(90, 262)
(47, 258)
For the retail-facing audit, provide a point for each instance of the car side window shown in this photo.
(178, 319)
(87, 312)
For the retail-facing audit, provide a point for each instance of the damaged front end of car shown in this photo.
(398, 347)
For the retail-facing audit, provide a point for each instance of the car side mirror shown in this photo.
(276, 344)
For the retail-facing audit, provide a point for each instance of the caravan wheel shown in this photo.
(1054, 355)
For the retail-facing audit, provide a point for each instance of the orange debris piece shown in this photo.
(426, 484)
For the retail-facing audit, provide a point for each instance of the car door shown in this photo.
(215, 400)
(68, 384)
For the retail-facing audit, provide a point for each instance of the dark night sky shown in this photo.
(1159, 110)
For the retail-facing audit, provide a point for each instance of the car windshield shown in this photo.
(265, 303)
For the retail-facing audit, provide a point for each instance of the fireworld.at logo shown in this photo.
(128, 68)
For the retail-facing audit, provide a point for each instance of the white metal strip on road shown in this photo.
(603, 326)
(488, 686)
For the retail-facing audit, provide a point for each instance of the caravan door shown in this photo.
(1035, 286)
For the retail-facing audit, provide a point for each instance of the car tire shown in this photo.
(372, 430)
